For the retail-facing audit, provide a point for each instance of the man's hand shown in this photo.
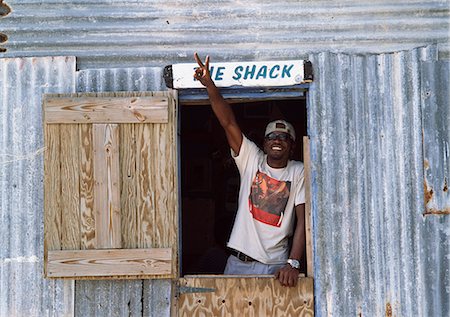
(287, 275)
(202, 73)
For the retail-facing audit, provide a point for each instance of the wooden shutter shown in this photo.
(110, 185)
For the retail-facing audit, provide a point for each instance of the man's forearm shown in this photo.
(221, 108)
(298, 241)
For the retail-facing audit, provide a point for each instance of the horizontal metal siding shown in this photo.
(122, 298)
(23, 291)
(375, 253)
(154, 33)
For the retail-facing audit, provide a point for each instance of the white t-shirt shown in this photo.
(267, 197)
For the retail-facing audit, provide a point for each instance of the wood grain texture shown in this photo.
(87, 187)
(246, 296)
(52, 191)
(129, 215)
(107, 186)
(83, 109)
(126, 179)
(308, 216)
(169, 236)
(145, 195)
(115, 262)
(70, 193)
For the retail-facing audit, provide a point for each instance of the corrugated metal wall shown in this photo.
(113, 33)
(23, 290)
(436, 135)
(376, 254)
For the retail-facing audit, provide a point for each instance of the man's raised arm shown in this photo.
(221, 108)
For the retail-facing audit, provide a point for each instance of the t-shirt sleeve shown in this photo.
(300, 192)
(248, 154)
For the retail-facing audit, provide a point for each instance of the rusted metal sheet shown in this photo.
(104, 34)
(375, 254)
(435, 95)
(23, 290)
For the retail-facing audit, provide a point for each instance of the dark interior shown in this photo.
(210, 180)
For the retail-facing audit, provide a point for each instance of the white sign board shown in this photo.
(272, 73)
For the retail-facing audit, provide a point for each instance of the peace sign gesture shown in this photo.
(202, 73)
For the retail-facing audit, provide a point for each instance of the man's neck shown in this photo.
(277, 163)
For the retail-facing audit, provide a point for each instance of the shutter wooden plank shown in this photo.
(144, 190)
(107, 185)
(163, 159)
(308, 219)
(87, 187)
(52, 192)
(246, 296)
(159, 160)
(149, 109)
(115, 262)
(129, 218)
(70, 194)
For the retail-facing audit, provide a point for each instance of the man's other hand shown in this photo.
(287, 275)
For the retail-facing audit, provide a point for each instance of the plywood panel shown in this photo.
(84, 109)
(87, 187)
(115, 262)
(107, 185)
(246, 296)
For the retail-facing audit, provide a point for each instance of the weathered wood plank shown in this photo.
(144, 185)
(107, 185)
(87, 187)
(70, 192)
(129, 215)
(164, 160)
(149, 109)
(116, 262)
(308, 219)
(52, 190)
(244, 296)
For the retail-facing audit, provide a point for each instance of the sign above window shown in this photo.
(248, 74)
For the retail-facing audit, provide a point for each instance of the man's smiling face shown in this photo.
(278, 146)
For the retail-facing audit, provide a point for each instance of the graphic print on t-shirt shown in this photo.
(268, 199)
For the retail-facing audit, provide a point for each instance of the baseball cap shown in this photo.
(280, 126)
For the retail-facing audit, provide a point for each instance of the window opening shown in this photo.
(210, 180)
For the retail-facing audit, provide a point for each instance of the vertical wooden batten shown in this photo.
(308, 219)
(110, 184)
(88, 238)
(107, 186)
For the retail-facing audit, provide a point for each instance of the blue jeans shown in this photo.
(237, 267)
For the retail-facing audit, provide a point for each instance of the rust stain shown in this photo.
(445, 189)
(428, 192)
(388, 310)
(3, 39)
(4, 9)
(426, 164)
(432, 211)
